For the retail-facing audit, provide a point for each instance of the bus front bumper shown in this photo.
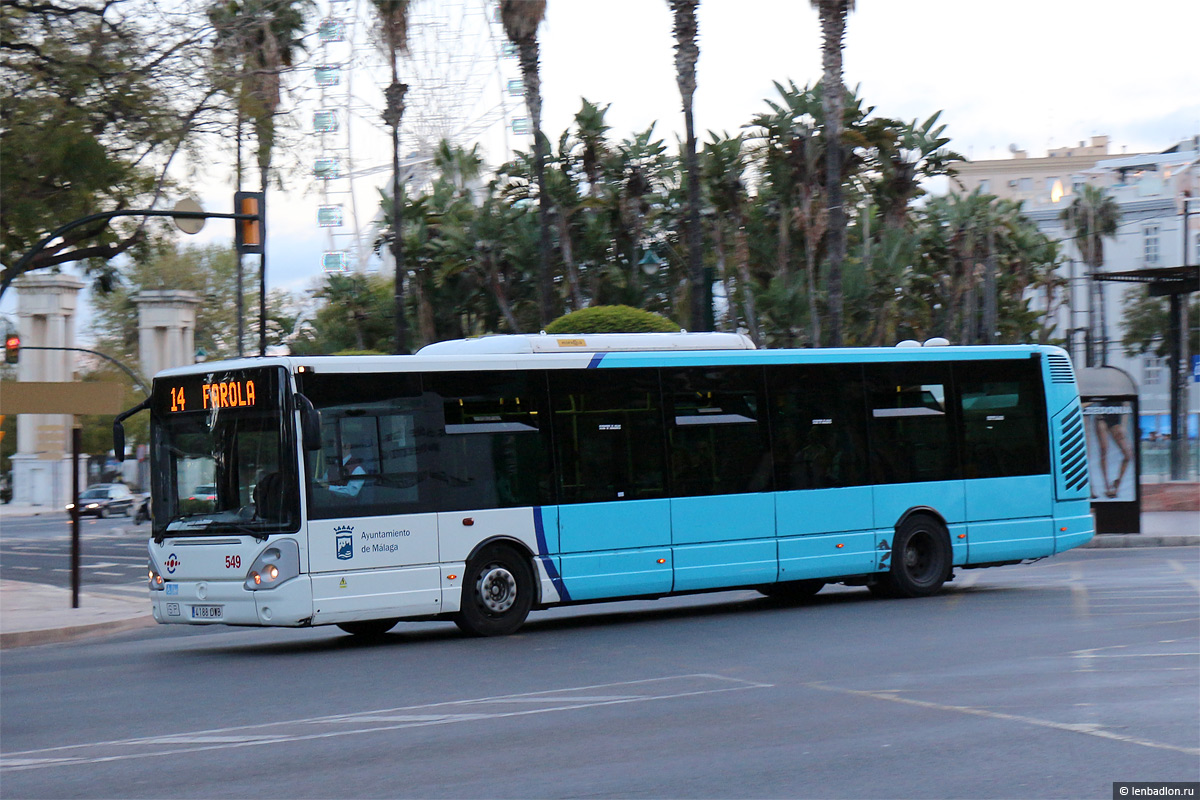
(230, 603)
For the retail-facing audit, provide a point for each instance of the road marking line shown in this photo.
(1086, 728)
(394, 719)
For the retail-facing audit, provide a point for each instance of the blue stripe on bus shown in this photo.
(540, 528)
(595, 362)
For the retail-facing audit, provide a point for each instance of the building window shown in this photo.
(1150, 244)
(985, 186)
(1152, 371)
(1025, 185)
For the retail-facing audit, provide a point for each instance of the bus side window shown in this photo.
(911, 423)
(496, 449)
(818, 426)
(1003, 412)
(608, 428)
(370, 458)
(718, 433)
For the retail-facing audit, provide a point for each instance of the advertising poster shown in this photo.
(1110, 431)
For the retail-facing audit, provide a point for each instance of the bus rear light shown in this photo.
(1063, 529)
(662, 561)
(451, 577)
(840, 546)
(962, 536)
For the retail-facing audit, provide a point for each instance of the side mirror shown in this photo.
(119, 441)
(119, 429)
(310, 423)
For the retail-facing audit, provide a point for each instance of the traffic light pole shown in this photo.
(133, 376)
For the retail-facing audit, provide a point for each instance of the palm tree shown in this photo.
(687, 52)
(521, 19)
(1093, 215)
(792, 155)
(833, 28)
(724, 174)
(907, 154)
(393, 40)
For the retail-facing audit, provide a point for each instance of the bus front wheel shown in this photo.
(497, 593)
(920, 561)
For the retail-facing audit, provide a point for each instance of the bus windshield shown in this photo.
(223, 454)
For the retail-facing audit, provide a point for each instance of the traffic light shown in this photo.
(249, 237)
(12, 348)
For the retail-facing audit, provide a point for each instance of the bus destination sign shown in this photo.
(245, 389)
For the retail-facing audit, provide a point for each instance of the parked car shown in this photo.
(105, 500)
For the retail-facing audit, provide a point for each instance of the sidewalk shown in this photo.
(33, 613)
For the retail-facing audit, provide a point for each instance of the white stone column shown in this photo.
(46, 306)
(166, 329)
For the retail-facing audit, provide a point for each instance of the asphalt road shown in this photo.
(38, 549)
(1049, 680)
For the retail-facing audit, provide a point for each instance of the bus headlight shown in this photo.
(157, 583)
(278, 563)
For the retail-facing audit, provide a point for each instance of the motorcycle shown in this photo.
(143, 511)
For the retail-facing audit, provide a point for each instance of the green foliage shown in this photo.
(960, 267)
(355, 317)
(97, 98)
(612, 319)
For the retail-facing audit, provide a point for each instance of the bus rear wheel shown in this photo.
(368, 627)
(497, 593)
(920, 561)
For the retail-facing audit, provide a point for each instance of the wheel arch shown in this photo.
(521, 548)
(922, 511)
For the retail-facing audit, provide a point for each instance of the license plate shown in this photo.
(206, 612)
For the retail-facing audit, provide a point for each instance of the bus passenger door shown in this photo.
(824, 507)
(722, 509)
(614, 516)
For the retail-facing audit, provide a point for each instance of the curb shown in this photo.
(1108, 540)
(73, 632)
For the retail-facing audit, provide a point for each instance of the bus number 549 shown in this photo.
(233, 562)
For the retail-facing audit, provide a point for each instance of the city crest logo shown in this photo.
(345, 542)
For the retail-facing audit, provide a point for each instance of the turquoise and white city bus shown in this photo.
(481, 479)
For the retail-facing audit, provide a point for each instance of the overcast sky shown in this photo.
(1032, 73)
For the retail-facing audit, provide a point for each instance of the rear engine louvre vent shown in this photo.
(1060, 369)
(1073, 450)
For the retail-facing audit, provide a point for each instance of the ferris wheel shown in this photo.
(464, 87)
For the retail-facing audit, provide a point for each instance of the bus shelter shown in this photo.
(1110, 415)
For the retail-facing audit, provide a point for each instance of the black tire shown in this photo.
(101, 513)
(792, 591)
(128, 511)
(497, 592)
(368, 627)
(920, 561)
